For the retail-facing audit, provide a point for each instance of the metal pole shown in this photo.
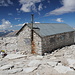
(32, 28)
(32, 42)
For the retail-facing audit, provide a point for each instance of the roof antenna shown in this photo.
(32, 21)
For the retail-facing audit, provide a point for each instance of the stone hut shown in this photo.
(46, 37)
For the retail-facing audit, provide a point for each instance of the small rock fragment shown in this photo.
(59, 64)
(39, 57)
(52, 63)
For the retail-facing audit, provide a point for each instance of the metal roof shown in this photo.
(46, 29)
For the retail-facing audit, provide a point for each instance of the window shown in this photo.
(27, 41)
(52, 39)
(62, 37)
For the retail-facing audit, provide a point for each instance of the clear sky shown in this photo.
(14, 13)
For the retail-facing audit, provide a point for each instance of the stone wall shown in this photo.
(38, 44)
(55, 41)
(8, 44)
(24, 40)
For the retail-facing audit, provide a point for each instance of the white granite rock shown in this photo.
(59, 64)
(17, 63)
(34, 63)
(6, 67)
(71, 62)
(12, 71)
(52, 58)
(3, 72)
(39, 57)
(62, 69)
(52, 63)
(3, 62)
(70, 73)
(20, 65)
(15, 56)
(29, 69)
(59, 54)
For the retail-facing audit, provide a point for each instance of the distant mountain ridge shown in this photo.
(12, 33)
(5, 32)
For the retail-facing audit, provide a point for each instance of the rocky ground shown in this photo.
(59, 62)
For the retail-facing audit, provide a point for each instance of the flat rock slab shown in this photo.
(3, 72)
(51, 63)
(34, 63)
(15, 56)
(3, 62)
(19, 65)
(6, 67)
(13, 71)
(29, 69)
(71, 62)
(63, 69)
(38, 57)
(52, 58)
(70, 73)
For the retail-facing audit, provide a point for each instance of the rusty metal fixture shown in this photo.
(33, 48)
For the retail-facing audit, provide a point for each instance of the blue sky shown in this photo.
(14, 13)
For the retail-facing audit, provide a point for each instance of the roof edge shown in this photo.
(20, 30)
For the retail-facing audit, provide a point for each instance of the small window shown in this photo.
(27, 41)
(52, 40)
(62, 37)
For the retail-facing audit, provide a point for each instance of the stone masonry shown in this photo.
(56, 41)
(24, 40)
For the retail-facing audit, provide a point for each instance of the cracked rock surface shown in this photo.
(59, 62)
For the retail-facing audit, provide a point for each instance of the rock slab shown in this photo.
(62, 69)
(15, 56)
(29, 69)
(6, 67)
(71, 62)
(34, 63)
(13, 71)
